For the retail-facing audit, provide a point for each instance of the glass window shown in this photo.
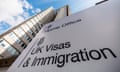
(12, 50)
(30, 24)
(13, 37)
(33, 21)
(4, 44)
(27, 37)
(35, 24)
(8, 47)
(27, 29)
(39, 25)
(23, 45)
(21, 33)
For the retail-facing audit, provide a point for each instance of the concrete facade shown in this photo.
(63, 12)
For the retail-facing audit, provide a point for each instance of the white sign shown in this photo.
(88, 41)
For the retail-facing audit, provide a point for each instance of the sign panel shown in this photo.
(88, 41)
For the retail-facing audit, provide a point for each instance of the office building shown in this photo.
(15, 40)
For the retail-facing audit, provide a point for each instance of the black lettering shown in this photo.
(67, 57)
(61, 60)
(56, 46)
(86, 54)
(34, 62)
(39, 61)
(92, 54)
(82, 55)
(48, 59)
(75, 57)
(67, 45)
(27, 62)
(35, 51)
(109, 50)
(55, 61)
(49, 47)
(61, 46)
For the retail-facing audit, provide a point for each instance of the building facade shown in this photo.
(15, 40)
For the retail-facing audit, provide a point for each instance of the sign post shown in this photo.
(88, 41)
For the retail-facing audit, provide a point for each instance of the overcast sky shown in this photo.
(13, 12)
